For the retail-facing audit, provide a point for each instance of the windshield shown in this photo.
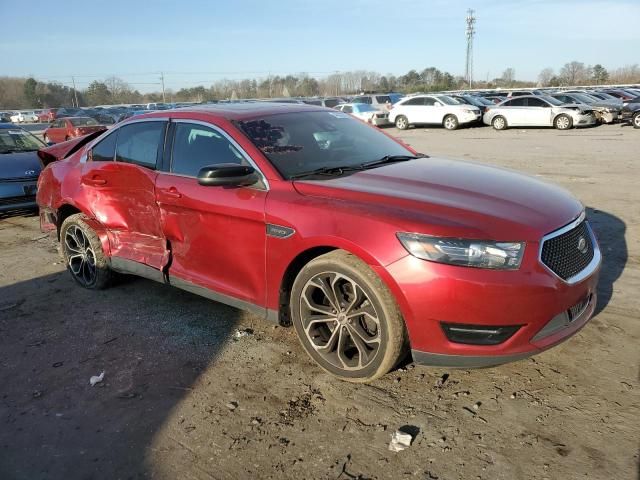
(300, 142)
(18, 140)
(551, 100)
(447, 100)
(584, 98)
(83, 122)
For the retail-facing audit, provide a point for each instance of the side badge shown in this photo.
(279, 231)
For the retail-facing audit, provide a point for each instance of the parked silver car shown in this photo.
(607, 112)
(538, 111)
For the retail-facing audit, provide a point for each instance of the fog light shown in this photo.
(478, 334)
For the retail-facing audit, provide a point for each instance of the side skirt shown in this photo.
(130, 267)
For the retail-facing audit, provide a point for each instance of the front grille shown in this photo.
(17, 200)
(562, 253)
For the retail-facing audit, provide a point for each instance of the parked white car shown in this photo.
(23, 117)
(538, 111)
(432, 109)
(365, 112)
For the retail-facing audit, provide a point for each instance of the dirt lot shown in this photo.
(193, 389)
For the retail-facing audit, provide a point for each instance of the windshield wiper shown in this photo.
(333, 171)
(393, 159)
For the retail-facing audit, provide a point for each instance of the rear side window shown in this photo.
(536, 102)
(414, 101)
(140, 143)
(518, 102)
(331, 102)
(105, 151)
(383, 99)
(196, 146)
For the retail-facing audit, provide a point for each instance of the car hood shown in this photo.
(16, 165)
(453, 198)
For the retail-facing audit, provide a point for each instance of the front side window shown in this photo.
(105, 150)
(297, 143)
(536, 102)
(518, 102)
(383, 99)
(83, 122)
(428, 101)
(140, 143)
(414, 101)
(196, 146)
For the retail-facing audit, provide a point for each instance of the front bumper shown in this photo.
(584, 120)
(533, 298)
(17, 195)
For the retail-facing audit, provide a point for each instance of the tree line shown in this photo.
(17, 93)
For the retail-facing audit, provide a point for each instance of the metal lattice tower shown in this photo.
(471, 31)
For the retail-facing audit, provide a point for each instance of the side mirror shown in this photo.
(227, 174)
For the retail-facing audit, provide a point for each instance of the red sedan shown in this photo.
(63, 129)
(308, 217)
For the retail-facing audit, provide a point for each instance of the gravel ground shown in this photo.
(197, 390)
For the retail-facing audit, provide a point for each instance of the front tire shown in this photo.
(83, 254)
(402, 123)
(346, 318)
(450, 122)
(563, 122)
(635, 120)
(499, 123)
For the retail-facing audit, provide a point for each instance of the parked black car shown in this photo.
(631, 113)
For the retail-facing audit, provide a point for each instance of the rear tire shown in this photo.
(635, 120)
(563, 122)
(346, 318)
(83, 255)
(450, 122)
(402, 123)
(499, 123)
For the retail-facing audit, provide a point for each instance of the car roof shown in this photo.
(243, 111)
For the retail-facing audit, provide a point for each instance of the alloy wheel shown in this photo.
(81, 258)
(340, 321)
(401, 123)
(636, 120)
(450, 123)
(498, 123)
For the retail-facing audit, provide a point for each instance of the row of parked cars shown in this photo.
(562, 109)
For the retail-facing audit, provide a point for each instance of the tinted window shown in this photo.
(383, 99)
(518, 102)
(347, 109)
(361, 100)
(139, 143)
(536, 102)
(106, 149)
(196, 146)
(428, 101)
(331, 102)
(414, 101)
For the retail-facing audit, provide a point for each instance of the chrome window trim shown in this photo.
(230, 139)
(90, 145)
(593, 264)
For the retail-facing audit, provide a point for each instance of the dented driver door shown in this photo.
(118, 180)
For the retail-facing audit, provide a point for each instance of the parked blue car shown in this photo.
(19, 167)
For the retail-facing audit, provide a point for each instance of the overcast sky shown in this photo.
(198, 42)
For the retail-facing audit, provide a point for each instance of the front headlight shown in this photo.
(467, 253)
(467, 110)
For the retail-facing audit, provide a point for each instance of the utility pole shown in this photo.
(162, 79)
(470, 32)
(75, 93)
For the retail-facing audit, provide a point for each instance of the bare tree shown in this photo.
(545, 76)
(575, 73)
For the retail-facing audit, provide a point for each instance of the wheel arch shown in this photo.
(65, 210)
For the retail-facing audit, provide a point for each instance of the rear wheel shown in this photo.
(402, 122)
(450, 122)
(563, 122)
(83, 254)
(499, 123)
(346, 318)
(635, 120)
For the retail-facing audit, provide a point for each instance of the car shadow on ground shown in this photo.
(610, 231)
(152, 341)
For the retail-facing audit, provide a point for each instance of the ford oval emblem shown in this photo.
(582, 245)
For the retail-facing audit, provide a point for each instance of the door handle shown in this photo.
(172, 193)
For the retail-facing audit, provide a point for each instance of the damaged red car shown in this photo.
(308, 217)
